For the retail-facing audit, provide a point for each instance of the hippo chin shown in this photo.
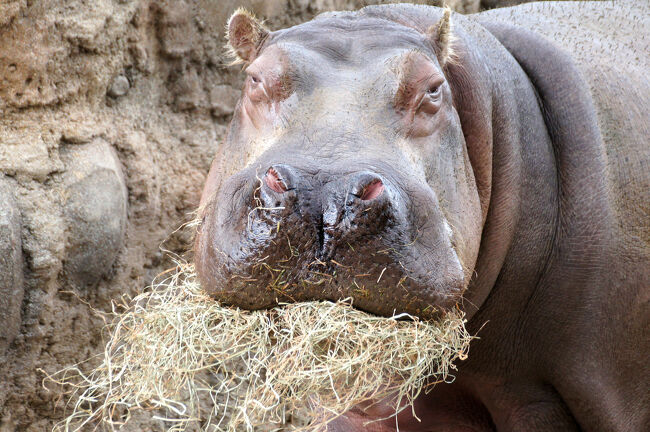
(499, 165)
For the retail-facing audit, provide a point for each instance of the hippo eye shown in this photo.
(256, 90)
(433, 91)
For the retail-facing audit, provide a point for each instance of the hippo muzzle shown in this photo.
(298, 234)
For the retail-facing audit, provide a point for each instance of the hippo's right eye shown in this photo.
(433, 91)
(255, 79)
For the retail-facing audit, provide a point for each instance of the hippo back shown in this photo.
(615, 67)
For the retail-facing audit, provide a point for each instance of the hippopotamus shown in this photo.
(415, 160)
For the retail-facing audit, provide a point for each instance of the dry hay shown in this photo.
(180, 356)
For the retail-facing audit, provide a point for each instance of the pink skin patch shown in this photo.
(273, 181)
(372, 190)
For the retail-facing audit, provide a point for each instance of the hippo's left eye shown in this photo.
(256, 88)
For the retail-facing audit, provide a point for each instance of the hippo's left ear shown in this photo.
(245, 34)
(441, 37)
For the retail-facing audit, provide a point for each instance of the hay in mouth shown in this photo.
(178, 355)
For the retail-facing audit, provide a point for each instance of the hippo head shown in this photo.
(345, 173)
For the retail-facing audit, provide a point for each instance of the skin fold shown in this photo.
(419, 162)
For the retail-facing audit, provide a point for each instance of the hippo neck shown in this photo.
(583, 222)
(518, 186)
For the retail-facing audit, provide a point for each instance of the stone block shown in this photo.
(11, 267)
(95, 205)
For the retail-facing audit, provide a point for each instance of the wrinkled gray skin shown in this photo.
(537, 160)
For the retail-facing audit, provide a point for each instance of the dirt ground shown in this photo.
(110, 112)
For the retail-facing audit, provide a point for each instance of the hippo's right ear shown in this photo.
(245, 34)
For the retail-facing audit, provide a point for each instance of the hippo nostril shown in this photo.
(372, 190)
(274, 181)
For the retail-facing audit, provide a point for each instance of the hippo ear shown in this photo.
(441, 37)
(245, 34)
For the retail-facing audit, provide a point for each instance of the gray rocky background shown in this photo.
(110, 112)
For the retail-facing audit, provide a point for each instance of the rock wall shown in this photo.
(490, 4)
(110, 112)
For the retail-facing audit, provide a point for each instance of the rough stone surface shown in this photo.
(119, 87)
(110, 114)
(25, 154)
(11, 267)
(94, 203)
(490, 4)
(223, 100)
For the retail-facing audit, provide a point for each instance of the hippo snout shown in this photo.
(338, 209)
(298, 234)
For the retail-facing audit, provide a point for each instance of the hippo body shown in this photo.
(552, 100)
